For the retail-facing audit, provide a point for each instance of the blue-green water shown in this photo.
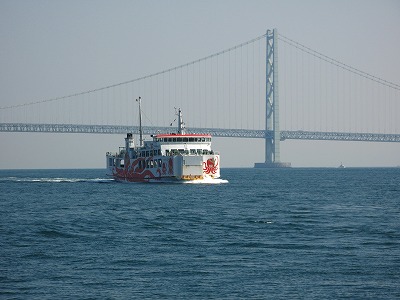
(289, 233)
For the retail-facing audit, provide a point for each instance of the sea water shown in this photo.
(266, 234)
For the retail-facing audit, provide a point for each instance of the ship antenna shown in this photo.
(140, 122)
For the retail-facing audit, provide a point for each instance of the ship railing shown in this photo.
(176, 152)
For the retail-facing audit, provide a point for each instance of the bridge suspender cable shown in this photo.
(139, 78)
(337, 63)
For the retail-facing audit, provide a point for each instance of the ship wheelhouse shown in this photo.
(183, 144)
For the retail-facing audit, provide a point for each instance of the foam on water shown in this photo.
(57, 180)
(104, 180)
(207, 181)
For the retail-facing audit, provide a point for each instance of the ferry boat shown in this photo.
(169, 157)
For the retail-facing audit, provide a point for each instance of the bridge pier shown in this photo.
(272, 131)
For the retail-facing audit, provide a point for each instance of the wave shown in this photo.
(57, 180)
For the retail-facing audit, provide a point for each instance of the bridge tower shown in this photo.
(272, 132)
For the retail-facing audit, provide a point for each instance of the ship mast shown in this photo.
(181, 124)
(140, 123)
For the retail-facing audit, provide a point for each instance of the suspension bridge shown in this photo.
(252, 90)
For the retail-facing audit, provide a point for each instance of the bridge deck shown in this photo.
(216, 132)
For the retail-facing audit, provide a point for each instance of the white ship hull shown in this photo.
(163, 168)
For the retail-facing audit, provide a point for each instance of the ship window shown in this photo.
(159, 151)
(169, 140)
(160, 162)
(191, 139)
(185, 140)
(151, 163)
(179, 139)
(181, 151)
(193, 151)
(186, 151)
(174, 139)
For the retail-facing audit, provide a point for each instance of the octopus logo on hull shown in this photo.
(211, 165)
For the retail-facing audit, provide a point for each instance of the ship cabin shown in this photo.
(173, 144)
(176, 144)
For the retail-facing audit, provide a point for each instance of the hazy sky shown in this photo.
(55, 48)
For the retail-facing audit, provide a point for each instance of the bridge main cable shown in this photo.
(337, 63)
